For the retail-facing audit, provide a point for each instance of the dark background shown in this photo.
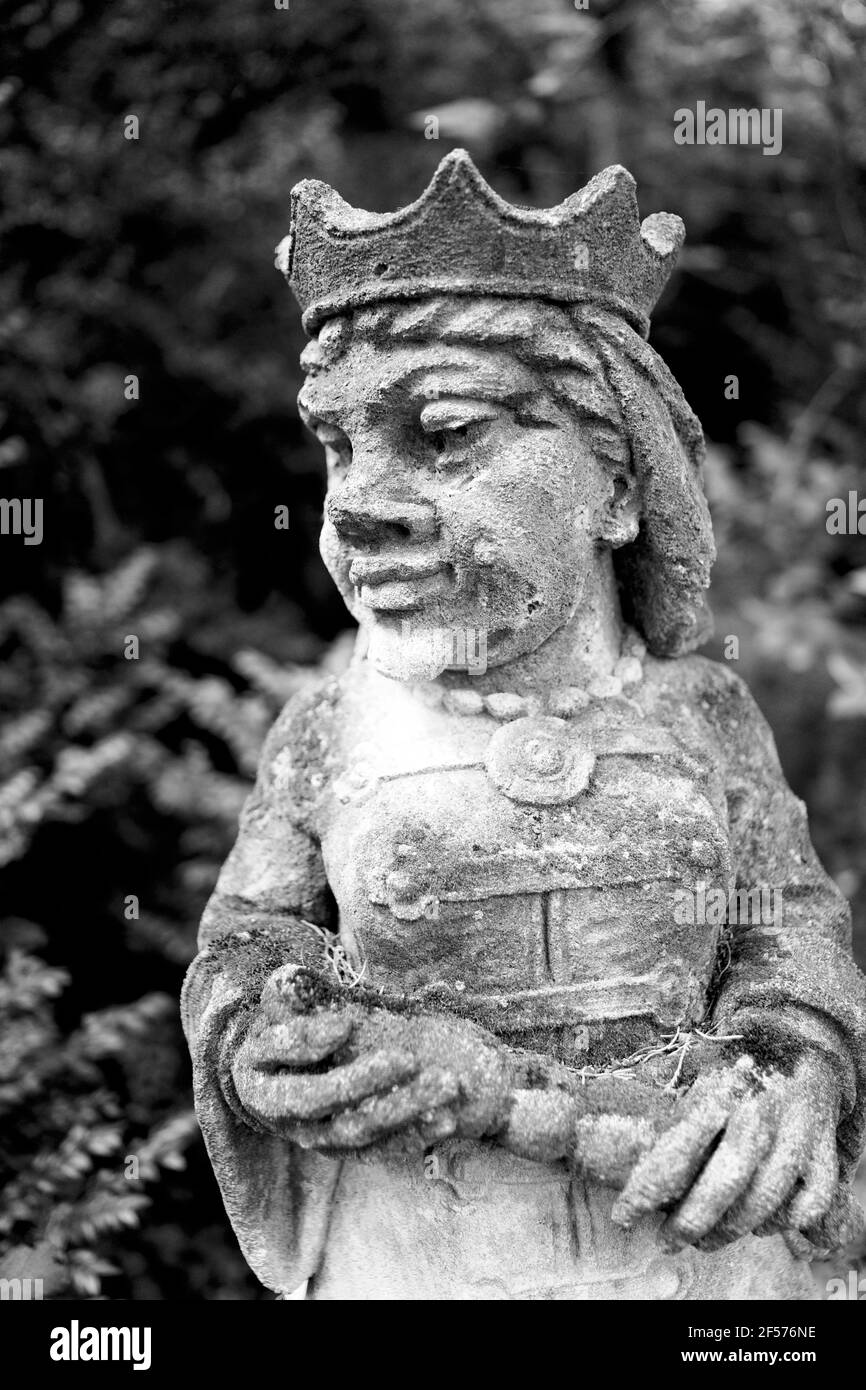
(153, 257)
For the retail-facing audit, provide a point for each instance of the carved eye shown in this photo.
(445, 439)
(453, 428)
(454, 445)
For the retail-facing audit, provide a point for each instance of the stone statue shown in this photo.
(486, 1004)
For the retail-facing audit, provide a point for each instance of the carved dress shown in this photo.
(531, 868)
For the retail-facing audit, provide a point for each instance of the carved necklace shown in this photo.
(562, 702)
(538, 757)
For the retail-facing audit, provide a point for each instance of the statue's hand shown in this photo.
(342, 1075)
(461, 1085)
(298, 1071)
(754, 1157)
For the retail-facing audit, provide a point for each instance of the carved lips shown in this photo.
(397, 583)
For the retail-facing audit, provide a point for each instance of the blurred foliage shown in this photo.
(152, 257)
(121, 779)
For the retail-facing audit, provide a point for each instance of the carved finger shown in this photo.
(775, 1179)
(299, 1040)
(286, 1097)
(383, 1115)
(820, 1182)
(441, 1126)
(673, 1162)
(729, 1171)
(283, 992)
(809, 1194)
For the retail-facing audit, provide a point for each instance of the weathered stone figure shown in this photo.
(453, 1034)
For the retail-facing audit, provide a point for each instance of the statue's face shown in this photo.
(461, 500)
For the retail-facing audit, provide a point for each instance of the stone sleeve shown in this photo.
(275, 870)
(271, 906)
(792, 982)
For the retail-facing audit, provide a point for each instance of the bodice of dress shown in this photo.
(531, 868)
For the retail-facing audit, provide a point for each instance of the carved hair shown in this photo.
(595, 365)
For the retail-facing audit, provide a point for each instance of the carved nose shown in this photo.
(377, 520)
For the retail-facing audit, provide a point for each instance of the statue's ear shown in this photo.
(619, 521)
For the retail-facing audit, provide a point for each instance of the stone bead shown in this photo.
(505, 705)
(634, 646)
(629, 670)
(463, 702)
(567, 702)
(605, 687)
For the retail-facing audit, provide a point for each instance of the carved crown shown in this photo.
(460, 237)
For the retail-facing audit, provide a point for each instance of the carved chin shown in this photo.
(418, 650)
(416, 654)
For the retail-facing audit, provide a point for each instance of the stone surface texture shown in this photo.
(453, 1035)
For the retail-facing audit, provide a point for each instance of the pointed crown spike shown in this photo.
(460, 237)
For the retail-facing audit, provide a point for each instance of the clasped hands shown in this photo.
(746, 1148)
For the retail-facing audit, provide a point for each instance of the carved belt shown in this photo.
(669, 995)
